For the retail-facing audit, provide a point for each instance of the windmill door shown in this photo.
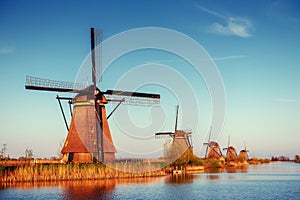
(71, 157)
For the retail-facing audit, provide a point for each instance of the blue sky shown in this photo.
(254, 44)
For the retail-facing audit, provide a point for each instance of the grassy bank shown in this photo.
(59, 172)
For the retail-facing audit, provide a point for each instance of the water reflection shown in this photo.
(86, 189)
(243, 169)
(179, 179)
(214, 170)
(211, 174)
(273, 181)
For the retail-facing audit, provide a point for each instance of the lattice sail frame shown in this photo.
(98, 38)
(134, 101)
(36, 83)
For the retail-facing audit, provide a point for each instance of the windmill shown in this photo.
(244, 153)
(181, 138)
(230, 151)
(212, 149)
(89, 138)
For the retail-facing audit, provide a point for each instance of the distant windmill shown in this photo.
(230, 151)
(244, 153)
(212, 148)
(179, 137)
(89, 137)
(3, 151)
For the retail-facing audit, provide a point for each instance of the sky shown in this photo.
(254, 46)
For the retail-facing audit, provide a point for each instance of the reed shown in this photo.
(213, 163)
(256, 161)
(93, 171)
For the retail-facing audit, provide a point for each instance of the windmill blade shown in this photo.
(133, 98)
(220, 154)
(228, 141)
(190, 140)
(35, 83)
(164, 133)
(161, 134)
(177, 108)
(207, 143)
(132, 94)
(206, 151)
(96, 38)
(209, 135)
(228, 145)
(96, 54)
(93, 56)
(245, 147)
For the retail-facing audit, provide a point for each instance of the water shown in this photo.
(270, 181)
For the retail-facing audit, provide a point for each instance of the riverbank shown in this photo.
(61, 172)
(277, 180)
(34, 172)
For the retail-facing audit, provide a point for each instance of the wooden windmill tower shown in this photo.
(89, 138)
(244, 153)
(230, 151)
(180, 138)
(212, 149)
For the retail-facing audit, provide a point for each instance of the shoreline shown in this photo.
(54, 172)
(70, 172)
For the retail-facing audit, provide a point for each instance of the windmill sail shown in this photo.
(89, 137)
(133, 98)
(96, 51)
(35, 83)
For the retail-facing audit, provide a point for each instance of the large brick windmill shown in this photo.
(89, 138)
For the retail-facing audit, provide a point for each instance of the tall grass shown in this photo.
(59, 172)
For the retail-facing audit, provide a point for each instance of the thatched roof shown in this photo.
(214, 150)
(182, 139)
(213, 144)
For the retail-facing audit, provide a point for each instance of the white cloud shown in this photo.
(229, 57)
(210, 12)
(164, 61)
(6, 50)
(284, 100)
(237, 26)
